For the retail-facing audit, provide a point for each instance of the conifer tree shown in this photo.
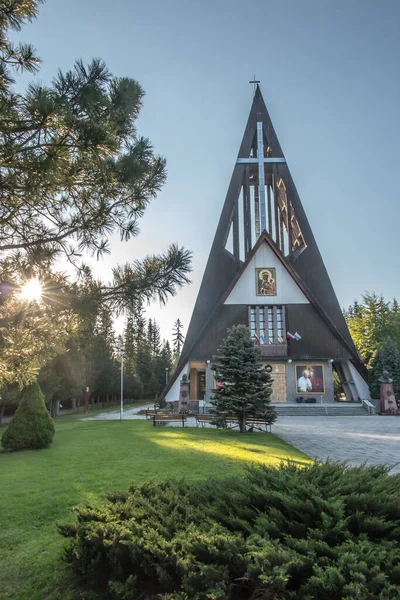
(155, 339)
(31, 426)
(387, 358)
(244, 385)
(150, 332)
(129, 338)
(103, 367)
(177, 337)
(370, 323)
(73, 171)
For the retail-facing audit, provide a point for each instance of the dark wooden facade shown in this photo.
(287, 231)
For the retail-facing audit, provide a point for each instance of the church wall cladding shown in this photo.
(217, 278)
(315, 276)
(216, 333)
(317, 340)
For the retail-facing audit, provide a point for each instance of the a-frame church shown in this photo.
(265, 271)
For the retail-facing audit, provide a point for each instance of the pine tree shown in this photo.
(387, 358)
(177, 337)
(245, 387)
(73, 171)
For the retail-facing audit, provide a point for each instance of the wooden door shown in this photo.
(279, 383)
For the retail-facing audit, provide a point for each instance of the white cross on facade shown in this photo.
(261, 160)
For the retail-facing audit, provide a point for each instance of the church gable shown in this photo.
(266, 280)
(264, 267)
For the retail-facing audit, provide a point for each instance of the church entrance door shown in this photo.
(279, 393)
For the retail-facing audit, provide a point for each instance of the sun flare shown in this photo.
(32, 290)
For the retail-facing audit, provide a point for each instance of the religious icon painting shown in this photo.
(310, 379)
(266, 282)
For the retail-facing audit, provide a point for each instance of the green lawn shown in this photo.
(39, 488)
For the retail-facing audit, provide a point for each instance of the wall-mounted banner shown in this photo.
(310, 379)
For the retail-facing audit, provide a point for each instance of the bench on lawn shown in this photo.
(259, 424)
(169, 418)
(150, 412)
(205, 418)
(254, 423)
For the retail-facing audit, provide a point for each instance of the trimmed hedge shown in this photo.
(31, 427)
(326, 532)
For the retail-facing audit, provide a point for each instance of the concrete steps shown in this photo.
(320, 410)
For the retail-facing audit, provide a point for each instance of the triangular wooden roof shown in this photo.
(223, 268)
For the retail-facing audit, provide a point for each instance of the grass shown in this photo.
(39, 488)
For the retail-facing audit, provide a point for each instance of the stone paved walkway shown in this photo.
(374, 440)
(129, 413)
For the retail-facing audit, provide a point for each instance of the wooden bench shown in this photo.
(233, 423)
(258, 424)
(163, 419)
(206, 418)
(150, 412)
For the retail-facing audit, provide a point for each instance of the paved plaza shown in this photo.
(374, 440)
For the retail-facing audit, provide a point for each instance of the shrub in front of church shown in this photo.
(325, 531)
(244, 389)
(31, 427)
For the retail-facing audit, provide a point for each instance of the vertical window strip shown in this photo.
(262, 325)
(268, 324)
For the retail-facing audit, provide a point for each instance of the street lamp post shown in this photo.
(121, 414)
(166, 375)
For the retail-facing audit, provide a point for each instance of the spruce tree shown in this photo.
(129, 338)
(177, 337)
(155, 339)
(244, 385)
(387, 358)
(150, 332)
(31, 427)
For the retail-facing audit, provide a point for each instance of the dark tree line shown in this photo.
(93, 359)
(374, 325)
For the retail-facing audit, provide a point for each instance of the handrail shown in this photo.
(368, 406)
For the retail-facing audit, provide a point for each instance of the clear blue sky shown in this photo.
(329, 72)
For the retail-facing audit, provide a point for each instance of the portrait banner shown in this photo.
(310, 379)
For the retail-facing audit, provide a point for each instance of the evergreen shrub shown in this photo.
(326, 531)
(31, 427)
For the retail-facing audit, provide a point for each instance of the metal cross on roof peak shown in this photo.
(256, 82)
